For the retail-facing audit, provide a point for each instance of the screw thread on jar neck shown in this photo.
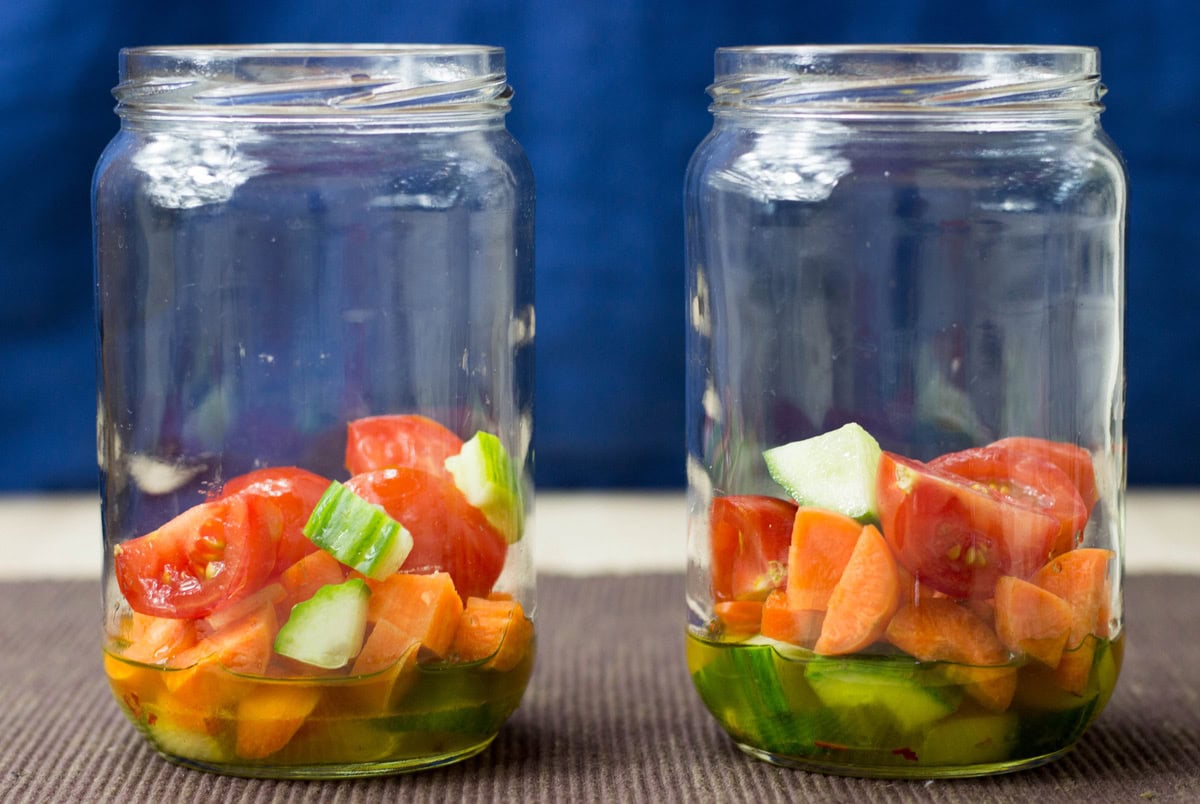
(359, 84)
(895, 83)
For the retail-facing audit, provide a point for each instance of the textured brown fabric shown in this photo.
(610, 716)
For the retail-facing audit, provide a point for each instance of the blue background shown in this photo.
(609, 105)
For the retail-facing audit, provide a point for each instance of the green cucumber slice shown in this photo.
(487, 477)
(357, 533)
(327, 630)
(874, 698)
(835, 471)
(974, 739)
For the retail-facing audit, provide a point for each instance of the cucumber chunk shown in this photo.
(357, 533)
(327, 630)
(880, 697)
(485, 474)
(835, 471)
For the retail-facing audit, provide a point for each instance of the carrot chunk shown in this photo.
(268, 717)
(1031, 621)
(301, 580)
(941, 630)
(781, 621)
(495, 628)
(822, 542)
(740, 617)
(1080, 578)
(424, 607)
(864, 599)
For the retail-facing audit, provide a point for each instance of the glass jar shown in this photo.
(314, 282)
(905, 401)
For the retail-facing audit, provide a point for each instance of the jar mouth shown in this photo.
(312, 80)
(908, 80)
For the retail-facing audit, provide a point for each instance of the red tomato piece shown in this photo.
(750, 537)
(1074, 461)
(449, 534)
(295, 493)
(207, 557)
(956, 536)
(399, 441)
(1024, 479)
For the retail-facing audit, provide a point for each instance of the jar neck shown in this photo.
(306, 86)
(943, 86)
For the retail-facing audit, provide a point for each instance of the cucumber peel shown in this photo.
(835, 471)
(327, 630)
(488, 478)
(357, 533)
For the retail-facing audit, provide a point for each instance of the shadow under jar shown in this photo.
(314, 286)
(905, 400)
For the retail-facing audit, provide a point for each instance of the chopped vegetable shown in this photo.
(835, 470)
(487, 477)
(941, 630)
(399, 441)
(327, 629)
(749, 540)
(357, 533)
(1031, 621)
(426, 608)
(822, 543)
(496, 630)
(864, 600)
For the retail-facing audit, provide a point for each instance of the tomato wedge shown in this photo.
(449, 534)
(295, 493)
(954, 535)
(1024, 479)
(207, 557)
(1073, 460)
(397, 441)
(750, 537)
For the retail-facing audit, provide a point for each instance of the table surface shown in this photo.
(576, 533)
(609, 716)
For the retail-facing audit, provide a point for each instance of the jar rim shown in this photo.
(908, 80)
(312, 81)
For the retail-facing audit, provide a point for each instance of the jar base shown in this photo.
(347, 770)
(866, 771)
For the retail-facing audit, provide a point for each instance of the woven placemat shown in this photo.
(610, 716)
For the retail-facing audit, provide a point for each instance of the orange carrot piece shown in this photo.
(383, 647)
(1079, 577)
(739, 617)
(244, 646)
(940, 630)
(822, 542)
(268, 595)
(157, 640)
(268, 717)
(1031, 621)
(301, 580)
(495, 628)
(781, 621)
(864, 599)
(425, 607)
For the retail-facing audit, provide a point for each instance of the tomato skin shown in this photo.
(398, 441)
(1073, 460)
(449, 534)
(295, 493)
(750, 537)
(207, 557)
(956, 537)
(1024, 479)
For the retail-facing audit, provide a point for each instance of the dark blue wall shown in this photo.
(610, 103)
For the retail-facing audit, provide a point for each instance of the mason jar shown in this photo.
(314, 288)
(905, 393)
